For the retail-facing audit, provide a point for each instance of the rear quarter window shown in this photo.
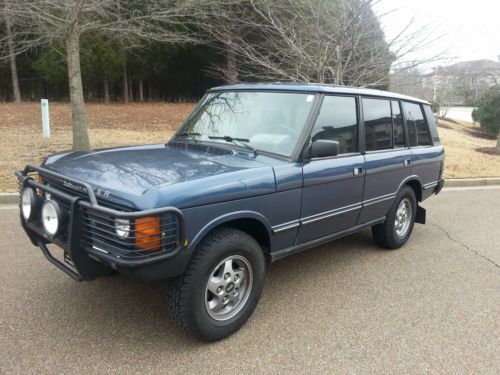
(418, 131)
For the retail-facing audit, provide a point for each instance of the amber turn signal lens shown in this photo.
(147, 233)
(38, 191)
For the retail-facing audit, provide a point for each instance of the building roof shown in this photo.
(313, 88)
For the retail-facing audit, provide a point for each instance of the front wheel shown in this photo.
(221, 286)
(398, 225)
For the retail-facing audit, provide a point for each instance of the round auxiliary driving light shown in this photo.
(28, 200)
(51, 217)
(122, 228)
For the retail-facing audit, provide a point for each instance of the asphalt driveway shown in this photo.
(345, 307)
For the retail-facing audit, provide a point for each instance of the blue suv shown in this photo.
(257, 172)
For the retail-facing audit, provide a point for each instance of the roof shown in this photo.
(314, 88)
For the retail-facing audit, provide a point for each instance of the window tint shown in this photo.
(378, 124)
(417, 128)
(338, 121)
(398, 129)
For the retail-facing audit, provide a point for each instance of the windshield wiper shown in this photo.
(236, 141)
(189, 135)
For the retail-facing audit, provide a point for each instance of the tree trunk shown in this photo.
(141, 90)
(125, 84)
(498, 142)
(338, 71)
(231, 73)
(78, 118)
(13, 66)
(106, 92)
(130, 90)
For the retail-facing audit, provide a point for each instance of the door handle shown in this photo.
(407, 162)
(357, 171)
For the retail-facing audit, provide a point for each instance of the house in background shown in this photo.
(458, 84)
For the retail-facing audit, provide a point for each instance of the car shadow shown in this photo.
(115, 309)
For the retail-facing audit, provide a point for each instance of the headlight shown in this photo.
(51, 217)
(122, 228)
(27, 203)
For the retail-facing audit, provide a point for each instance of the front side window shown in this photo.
(267, 121)
(378, 124)
(338, 121)
(418, 133)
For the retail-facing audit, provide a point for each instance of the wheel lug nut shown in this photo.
(224, 299)
(219, 289)
(236, 277)
(226, 276)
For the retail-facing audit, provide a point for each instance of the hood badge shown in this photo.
(98, 192)
(102, 193)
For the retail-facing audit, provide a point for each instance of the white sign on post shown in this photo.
(45, 118)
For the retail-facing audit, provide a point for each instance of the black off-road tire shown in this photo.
(385, 234)
(187, 292)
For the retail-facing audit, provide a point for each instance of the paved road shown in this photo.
(460, 113)
(346, 307)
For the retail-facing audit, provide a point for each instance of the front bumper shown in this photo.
(90, 256)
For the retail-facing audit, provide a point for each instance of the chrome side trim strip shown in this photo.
(332, 213)
(286, 226)
(376, 200)
(430, 185)
(328, 214)
(275, 255)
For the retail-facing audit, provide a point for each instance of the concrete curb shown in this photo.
(9, 198)
(13, 198)
(471, 182)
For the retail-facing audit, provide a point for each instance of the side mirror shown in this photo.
(322, 148)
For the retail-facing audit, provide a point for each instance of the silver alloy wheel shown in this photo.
(403, 217)
(228, 287)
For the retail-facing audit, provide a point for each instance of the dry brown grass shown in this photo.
(113, 125)
(110, 125)
(466, 147)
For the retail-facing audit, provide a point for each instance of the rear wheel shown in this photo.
(398, 225)
(221, 286)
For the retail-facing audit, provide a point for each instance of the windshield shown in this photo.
(267, 121)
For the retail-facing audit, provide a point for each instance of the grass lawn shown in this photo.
(468, 150)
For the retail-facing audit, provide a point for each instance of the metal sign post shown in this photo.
(45, 118)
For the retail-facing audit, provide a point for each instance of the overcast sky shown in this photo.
(471, 28)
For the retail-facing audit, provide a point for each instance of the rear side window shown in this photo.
(398, 132)
(338, 121)
(418, 133)
(378, 124)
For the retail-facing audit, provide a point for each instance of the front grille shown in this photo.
(146, 237)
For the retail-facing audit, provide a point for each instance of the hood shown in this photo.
(181, 175)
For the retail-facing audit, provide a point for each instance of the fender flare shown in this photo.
(227, 218)
(408, 179)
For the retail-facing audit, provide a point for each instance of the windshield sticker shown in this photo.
(309, 98)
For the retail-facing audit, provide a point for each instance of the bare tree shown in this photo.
(338, 42)
(303, 41)
(16, 92)
(45, 21)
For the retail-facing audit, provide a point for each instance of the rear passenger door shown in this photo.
(333, 186)
(387, 157)
(426, 152)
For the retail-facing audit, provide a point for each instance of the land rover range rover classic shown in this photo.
(257, 172)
